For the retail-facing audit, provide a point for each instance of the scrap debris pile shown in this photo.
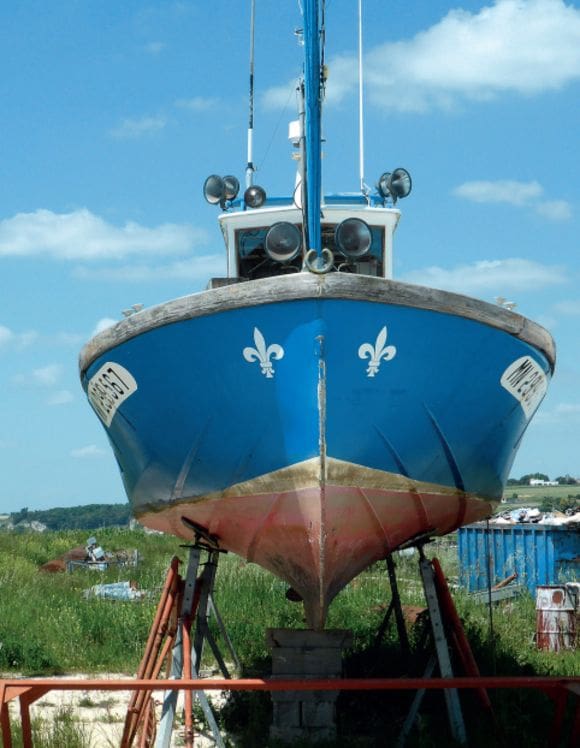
(91, 556)
(116, 591)
(570, 518)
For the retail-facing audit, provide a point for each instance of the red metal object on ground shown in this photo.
(32, 689)
(459, 638)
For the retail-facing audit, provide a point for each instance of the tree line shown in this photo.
(87, 517)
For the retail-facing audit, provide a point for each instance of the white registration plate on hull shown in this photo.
(108, 388)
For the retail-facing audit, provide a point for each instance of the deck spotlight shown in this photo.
(383, 185)
(353, 237)
(214, 189)
(283, 242)
(394, 185)
(400, 184)
(255, 196)
(231, 187)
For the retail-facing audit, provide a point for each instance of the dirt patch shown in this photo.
(101, 714)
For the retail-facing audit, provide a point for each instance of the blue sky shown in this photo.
(114, 113)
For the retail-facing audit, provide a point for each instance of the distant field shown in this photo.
(534, 495)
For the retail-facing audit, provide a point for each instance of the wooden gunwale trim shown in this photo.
(301, 286)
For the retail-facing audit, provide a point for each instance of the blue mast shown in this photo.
(312, 95)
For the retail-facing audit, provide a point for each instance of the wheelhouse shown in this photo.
(268, 241)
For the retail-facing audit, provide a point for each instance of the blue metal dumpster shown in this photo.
(538, 554)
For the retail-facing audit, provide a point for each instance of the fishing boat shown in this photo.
(308, 412)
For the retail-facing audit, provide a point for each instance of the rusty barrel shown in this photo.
(556, 617)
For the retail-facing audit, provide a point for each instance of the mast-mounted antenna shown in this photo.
(361, 148)
(250, 168)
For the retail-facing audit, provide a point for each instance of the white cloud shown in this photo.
(62, 397)
(131, 129)
(555, 210)
(194, 269)
(561, 413)
(17, 340)
(81, 235)
(512, 192)
(571, 308)
(501, 191)
(490, 276)
(65, 339)
(511, 46)
(278, 97)
(197, 103)
(47, 376)
(154, 48)
(6, 335)
(44, 376)
(91, 450)
(103, 324)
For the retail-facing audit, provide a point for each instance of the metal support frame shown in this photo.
(440, 657)
(558, 688)
(163, 636)
(177, 637)
(394, 607)
(197, 603)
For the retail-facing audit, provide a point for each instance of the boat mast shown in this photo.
(250, 168)
(312, 94)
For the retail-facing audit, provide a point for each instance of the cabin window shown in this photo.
(370, 264)
(253, 262)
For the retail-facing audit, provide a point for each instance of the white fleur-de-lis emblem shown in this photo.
(377, 353)
(263, 354)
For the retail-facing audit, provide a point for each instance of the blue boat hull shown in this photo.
(275, 419)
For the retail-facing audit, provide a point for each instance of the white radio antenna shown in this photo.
(250, 168)
(361, 146)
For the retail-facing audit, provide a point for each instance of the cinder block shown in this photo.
(287, 714)
(318, 714)
(304, 654)
(291, 735)
(320, 663)
(331, 638)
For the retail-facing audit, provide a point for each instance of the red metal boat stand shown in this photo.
(183, 602)
(446, 631)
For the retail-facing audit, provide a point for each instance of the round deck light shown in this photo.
(283, 242)
(214, 189)
(255, 196)
(394, 184)
(231, 187)
(383, 185)
(400, 183)
(353, 237)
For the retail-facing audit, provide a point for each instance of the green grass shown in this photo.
(48, 627)
(63, 731)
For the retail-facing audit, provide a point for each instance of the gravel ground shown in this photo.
(101, 714)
